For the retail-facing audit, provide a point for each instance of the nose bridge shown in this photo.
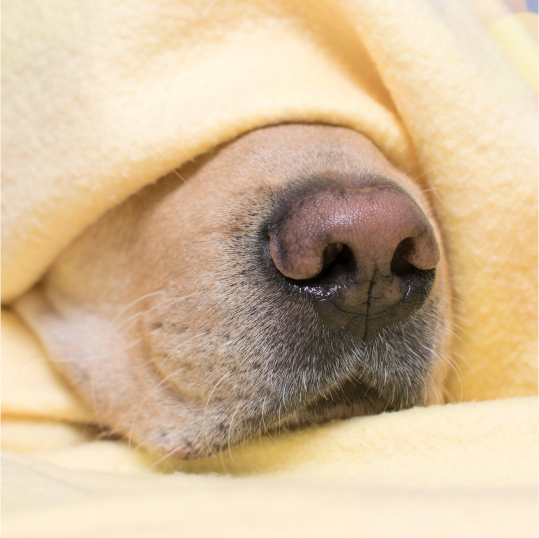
(371, 222)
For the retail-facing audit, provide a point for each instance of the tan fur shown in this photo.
(155, 317)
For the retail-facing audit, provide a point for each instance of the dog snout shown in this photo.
(291, 277)
(365, 255)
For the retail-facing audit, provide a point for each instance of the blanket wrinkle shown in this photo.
(102, 99)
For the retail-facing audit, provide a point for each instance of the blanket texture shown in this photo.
(103, 98)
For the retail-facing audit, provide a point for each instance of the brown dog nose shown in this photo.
(365, 255)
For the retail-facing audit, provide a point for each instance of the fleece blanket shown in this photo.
(101, 99)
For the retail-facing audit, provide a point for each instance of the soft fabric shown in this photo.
(102, 98)
(466, 469)
(137, 506)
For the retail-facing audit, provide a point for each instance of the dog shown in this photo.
(292, 276)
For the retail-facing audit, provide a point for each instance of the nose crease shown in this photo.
(369, 305)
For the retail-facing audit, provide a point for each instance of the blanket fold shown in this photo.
(102, 99)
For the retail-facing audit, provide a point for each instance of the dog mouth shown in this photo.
(350, 399)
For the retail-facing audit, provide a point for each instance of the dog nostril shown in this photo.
(334, 255)
(331, 253)
(399, 264)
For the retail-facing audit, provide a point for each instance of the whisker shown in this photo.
(133, 303)
(230, 430)
(173, 170)
(206, 410)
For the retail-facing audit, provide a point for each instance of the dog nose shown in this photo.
(365, 256)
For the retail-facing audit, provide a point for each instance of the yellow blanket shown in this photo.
(100, 99)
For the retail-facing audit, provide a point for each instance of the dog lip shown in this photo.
(352, 398)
